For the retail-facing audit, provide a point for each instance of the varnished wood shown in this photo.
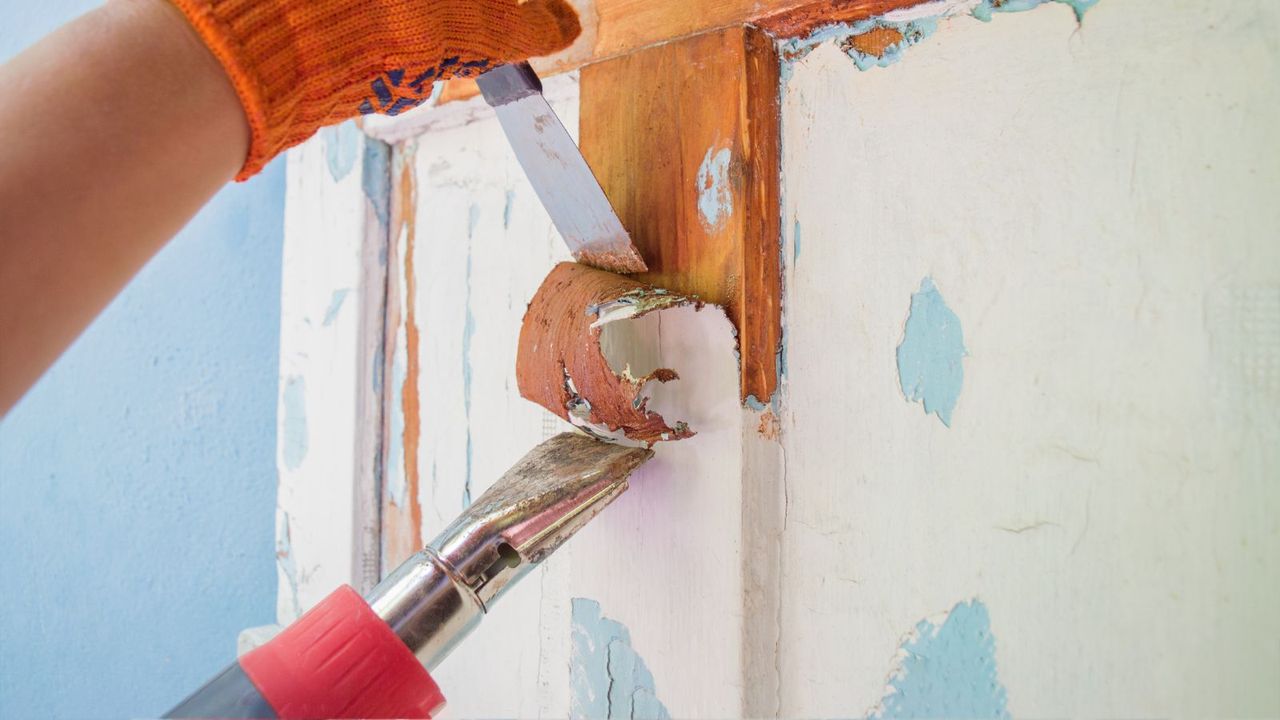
(649, 122)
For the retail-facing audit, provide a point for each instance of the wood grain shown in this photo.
(650, 120)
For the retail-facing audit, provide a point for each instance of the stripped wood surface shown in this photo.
(696, 183)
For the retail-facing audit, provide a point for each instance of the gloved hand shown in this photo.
(299, 65)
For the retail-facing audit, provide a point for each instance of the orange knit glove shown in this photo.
(299, 65)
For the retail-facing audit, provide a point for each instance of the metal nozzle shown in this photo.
(436, 597)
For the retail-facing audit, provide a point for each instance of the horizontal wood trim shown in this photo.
(612, 28)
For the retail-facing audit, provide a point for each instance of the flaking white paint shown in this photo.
(1097, 201)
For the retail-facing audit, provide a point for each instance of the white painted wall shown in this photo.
(1097, 206)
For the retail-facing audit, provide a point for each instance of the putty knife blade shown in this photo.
(559, 174)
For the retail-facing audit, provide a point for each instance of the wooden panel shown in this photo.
(684, 139)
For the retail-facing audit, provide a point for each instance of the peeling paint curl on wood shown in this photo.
(561, 366)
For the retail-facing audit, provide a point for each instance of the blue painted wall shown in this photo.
(137, 479)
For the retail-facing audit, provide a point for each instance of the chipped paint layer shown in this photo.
(375, 178)
(341, 144)
(409, 398)
(607, 678)
(285, 560)
(335, 305)
(295, 421)
(875, 42)
(468, 332)
(715, 197)
(930, 357)
(985, 8)
(947, 669)
(561, 366)
(880, 41)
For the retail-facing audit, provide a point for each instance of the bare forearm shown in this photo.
(117, 128)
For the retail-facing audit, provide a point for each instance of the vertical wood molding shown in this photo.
(684, 139)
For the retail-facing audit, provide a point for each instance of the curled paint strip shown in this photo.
(560, 364)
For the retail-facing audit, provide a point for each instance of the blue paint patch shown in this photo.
(985, 9)
(341, 144)
(335, 306)
(468, 332)
(506, 208)
(795, 241)
(912, 31)
(947, 670)
(715, 201)
(607, 679)
(754, 403)
(295, 422)
(375, 178)
(930, 367)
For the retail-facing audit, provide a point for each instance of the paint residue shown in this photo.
(930, 357)
(795, 241)
(947, 669)
(335, 305)
(341, 143)
(295, 421)
(874, 42)
(881, 41)
(284, 557)
(715, 200)
(375, 178)
(985, 8)
(410, 402)
(607, 678)
(468, 331)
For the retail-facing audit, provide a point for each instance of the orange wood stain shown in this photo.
(402, 525)
(649, 123)
(874, 41)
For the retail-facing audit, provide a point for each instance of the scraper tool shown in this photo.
(558, 172)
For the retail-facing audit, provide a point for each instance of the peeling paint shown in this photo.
(507, 203)
(607, 678)
(561, 366)
(985, 8)
(295, 421)
(375, 178)
(947, 668)
(341, 143)
(930, 357)
(284, 558)
(881, 41)
(875, 42)
(715, 197)
(335, 305)
(795, 241)
(411, 426)
(468, 332)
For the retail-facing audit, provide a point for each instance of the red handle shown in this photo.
(341, 660)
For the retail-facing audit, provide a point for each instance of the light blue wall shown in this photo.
(137, 479)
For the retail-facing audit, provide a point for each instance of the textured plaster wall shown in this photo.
(137, 479)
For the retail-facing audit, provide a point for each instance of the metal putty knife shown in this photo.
(559, 174)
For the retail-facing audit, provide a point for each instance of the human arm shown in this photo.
(119, 126)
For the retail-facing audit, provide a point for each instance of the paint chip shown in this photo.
(560, 364)
(341, 144)
(715, 198)
(930, 357)
(947, 669)
(294, 449)
(607, 678)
